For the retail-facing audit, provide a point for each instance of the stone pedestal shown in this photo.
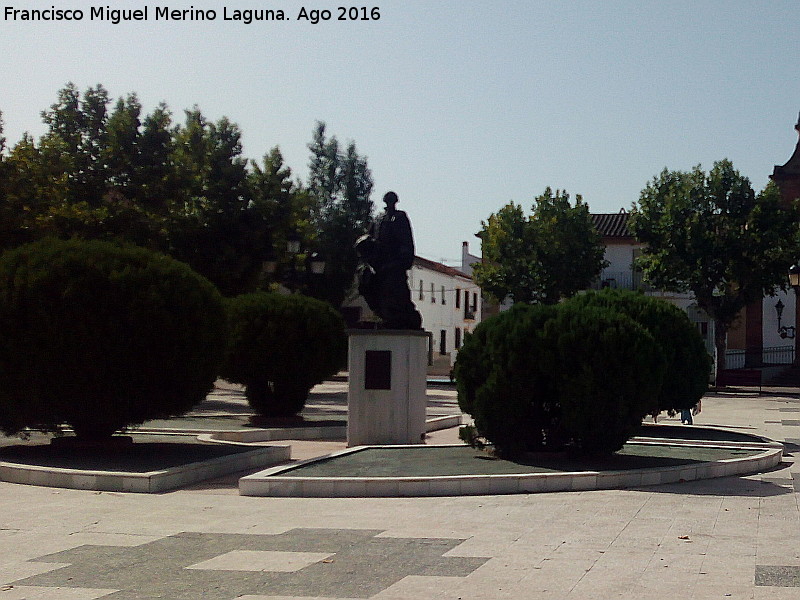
(386, 400)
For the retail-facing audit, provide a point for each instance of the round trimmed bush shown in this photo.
(502, 384)
(280, 347)
(608, 370)
(548, 377)
(101, 336)
(687, 363)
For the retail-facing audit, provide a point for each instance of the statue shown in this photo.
(387, 253)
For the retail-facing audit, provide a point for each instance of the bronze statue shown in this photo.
(387, 253)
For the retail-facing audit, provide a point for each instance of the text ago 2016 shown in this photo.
(341, 13)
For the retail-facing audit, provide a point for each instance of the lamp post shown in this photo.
(300, 275)
(794, 277)
(794, 282)
(784, 331)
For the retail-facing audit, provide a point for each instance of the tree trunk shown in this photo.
(720, 345)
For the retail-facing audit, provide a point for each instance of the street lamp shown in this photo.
(294, 276)
(303, 274)
(293, 243)
(316, 264)
(784, 331)
(794, 277)
(794, 282)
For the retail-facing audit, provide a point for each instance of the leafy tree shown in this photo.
(105, 170)
(135, 212)
(155, 177)
(9, 220)
(219, 232)
(80, 124)
(35, 188)
(84, 177)
(711, 234)
(550, 255)
(501, 382)
(340, 184)
(284, 204)
(609, 370)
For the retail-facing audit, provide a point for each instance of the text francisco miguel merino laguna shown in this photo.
(160, 13)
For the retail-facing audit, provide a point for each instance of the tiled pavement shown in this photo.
(719, 538)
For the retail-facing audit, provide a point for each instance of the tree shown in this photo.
(134, 196)
(541, 377)
(35, 188)
(340, 184)
(87, 175)
(105, 170)
(550, 255)
(218, 231)
(9, 219)
(80, 124)
(711, 234)
(284, 204)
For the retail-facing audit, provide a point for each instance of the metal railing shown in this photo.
(759, 357)
(621, 280)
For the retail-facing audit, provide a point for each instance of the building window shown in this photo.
(458, 298)
(475, 302)
(458, 338)
(443, 342)
(466, 304)
(443, 298)
(421, 291)
(433, 294)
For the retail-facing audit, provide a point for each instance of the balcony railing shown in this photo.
(622, 280)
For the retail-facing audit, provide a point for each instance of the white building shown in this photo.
(448, 300)
(621, 251)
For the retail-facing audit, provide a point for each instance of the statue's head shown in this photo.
(390, 198)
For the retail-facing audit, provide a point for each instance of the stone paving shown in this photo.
(719, 538)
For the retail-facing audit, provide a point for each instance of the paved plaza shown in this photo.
(712, 539)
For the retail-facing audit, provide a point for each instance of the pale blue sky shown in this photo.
(459, 105)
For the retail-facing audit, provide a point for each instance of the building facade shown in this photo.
(448, 300)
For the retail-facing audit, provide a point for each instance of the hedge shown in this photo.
(554, 377)
(101, 336)
(280, 346)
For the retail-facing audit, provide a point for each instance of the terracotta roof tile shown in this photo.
(439, 267)
(612, 224)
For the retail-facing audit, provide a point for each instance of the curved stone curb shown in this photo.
(249, 436)
(177, 477)
(270, 483)
(148, 482)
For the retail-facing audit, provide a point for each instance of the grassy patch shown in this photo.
(154, 454)
(431, 461)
